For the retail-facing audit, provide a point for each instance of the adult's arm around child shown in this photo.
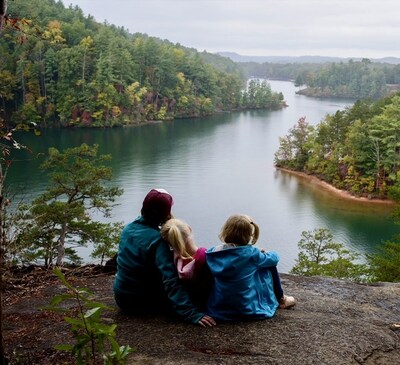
(177, 294)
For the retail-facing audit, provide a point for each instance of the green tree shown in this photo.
(61, 216)
(7, 145)
(106, 240)
(8, 82)
(357, 149)
(385, 129)
(385, 264)
(359, 80)
(320, 255)
(76, 72)
(294, 148)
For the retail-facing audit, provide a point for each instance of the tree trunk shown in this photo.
(3, 358)
(61, 245)
(3, 11)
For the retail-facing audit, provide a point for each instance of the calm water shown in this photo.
(218, 166)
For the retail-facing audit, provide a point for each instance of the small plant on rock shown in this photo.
(95, 341)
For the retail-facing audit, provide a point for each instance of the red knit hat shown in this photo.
(157, 206)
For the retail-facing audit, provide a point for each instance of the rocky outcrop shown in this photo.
(335, 322)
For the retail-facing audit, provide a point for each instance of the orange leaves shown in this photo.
(16, 23)
(21, 25)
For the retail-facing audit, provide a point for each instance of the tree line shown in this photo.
(357, 149)
(61, 68)
(353, 79)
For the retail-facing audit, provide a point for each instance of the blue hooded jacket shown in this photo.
(243, 286)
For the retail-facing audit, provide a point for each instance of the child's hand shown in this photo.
(207, 321)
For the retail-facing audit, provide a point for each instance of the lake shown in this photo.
(218, 166)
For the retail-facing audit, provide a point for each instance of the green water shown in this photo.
(218, 166)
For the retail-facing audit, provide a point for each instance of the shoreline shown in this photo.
(330, 188)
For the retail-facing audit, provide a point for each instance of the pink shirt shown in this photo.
(188, 269)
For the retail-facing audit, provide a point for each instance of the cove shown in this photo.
(218, 166)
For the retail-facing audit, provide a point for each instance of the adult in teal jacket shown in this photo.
(147, 280)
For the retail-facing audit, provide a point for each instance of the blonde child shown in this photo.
(189, 259)
(247, 284)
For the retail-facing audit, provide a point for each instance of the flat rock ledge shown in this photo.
(335, 322)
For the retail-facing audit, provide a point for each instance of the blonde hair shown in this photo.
(176, 232)
(240, 230)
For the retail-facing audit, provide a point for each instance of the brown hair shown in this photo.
(240, 230)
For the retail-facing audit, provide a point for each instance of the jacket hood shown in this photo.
(229, 261)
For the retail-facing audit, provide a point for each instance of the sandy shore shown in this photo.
(327, 187)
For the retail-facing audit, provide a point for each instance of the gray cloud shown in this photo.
(347, 28)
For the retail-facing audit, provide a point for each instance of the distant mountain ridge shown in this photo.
(301, 59)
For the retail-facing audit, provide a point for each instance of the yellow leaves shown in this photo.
(40, 100)
(183, 86)
(183, 100)
(181, 77)
(53, 33)
(138, 43)
(79, 82)
(162, 113)
(206, 102)
(116, 111)
(97, 114)
(178, 54)
(351, 171)
(131, 89)
(87, 42)
(206, 105)
(58, 39)
(142, 92)
(136, 94)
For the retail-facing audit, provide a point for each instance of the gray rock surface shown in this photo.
(335, 322)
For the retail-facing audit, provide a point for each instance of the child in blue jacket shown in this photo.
(247, 284)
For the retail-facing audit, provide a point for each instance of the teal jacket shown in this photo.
(146, 273)
(243, 287)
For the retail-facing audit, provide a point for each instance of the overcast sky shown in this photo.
(342, 28)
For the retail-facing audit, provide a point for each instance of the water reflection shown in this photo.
(218, 166)
(358, 224)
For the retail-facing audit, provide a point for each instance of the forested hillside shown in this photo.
(357, 80)
(353, 79)
(60, 68)
(357, 149)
